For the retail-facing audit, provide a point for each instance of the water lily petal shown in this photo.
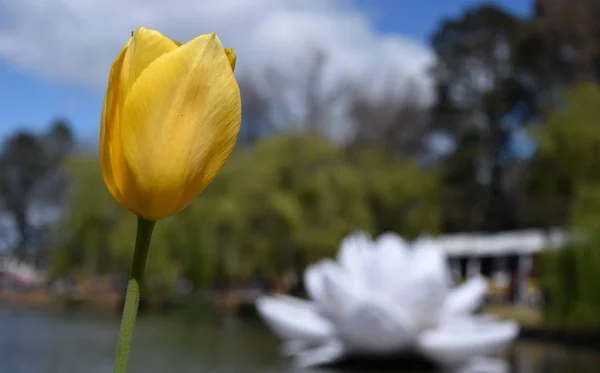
(427, 284)
(466, 298)
(327, 353)
(314, 282)
(393, 260)
(377, 326)
(344, 292)
(352, 255)
(291, 322)
(485, 365)
(455, 347)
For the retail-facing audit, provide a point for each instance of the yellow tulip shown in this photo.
(170, 121)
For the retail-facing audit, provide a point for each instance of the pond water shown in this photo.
(60, 342)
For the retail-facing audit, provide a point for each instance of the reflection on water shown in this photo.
(44, 342)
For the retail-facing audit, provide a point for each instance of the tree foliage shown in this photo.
(571, 141)
(30, 173)
(273, 209)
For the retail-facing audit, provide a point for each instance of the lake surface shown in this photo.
(60, 342)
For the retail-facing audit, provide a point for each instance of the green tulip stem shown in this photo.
(132, 297)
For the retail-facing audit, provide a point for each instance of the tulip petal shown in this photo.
(109, 123)
(145, 47)
(230, 52)
(180, 124)
(231, 56)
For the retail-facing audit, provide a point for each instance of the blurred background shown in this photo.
(476, 123)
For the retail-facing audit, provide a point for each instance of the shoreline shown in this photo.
(533, 329)
(588, 339)
(40, 299)
(530, 320)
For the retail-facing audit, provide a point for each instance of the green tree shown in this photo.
(273, 209)
(571, 140)
(30, 172)
(481, 87)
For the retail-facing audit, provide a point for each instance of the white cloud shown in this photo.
(75, 41)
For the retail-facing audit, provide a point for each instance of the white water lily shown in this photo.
(385, 297)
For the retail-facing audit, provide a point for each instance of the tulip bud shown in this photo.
(170, 121)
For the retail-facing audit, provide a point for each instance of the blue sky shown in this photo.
(31, 98)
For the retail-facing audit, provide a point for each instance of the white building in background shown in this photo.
(507, 258)
(523, 242)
